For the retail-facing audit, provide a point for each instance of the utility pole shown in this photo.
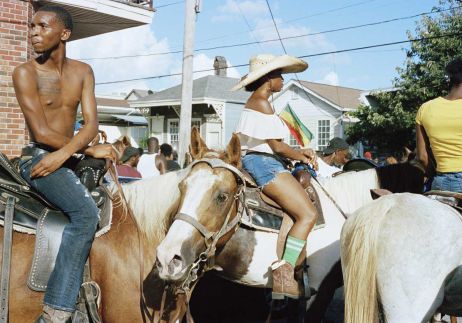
(192, 8)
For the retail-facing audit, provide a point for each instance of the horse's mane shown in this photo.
(402, 177)
(351, 189)
(153, 201)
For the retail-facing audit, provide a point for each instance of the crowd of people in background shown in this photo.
(135, 163)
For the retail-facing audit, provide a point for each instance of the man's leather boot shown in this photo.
(284, 283)
(50, 315)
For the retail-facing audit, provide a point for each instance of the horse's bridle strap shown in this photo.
(199, 226)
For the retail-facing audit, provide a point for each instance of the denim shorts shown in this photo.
(448, 182)
(262, 168)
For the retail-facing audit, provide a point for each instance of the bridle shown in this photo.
(206, 258)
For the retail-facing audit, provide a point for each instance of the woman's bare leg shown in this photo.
(290, 195)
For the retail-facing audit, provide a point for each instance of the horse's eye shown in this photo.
(222, 197)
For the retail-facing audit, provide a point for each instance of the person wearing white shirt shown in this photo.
(261, 133)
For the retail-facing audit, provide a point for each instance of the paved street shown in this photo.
(219, 301)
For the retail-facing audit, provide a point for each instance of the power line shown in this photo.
(276, 39)
(169, 4)
(248, 25)
(300, 18)
(280, 40)
(276, 27)
(304, 56)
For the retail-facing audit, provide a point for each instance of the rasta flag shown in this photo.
(296, 127)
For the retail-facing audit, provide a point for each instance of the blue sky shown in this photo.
(227, 22)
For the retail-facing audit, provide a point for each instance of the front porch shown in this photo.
(164, 123)
(103, 16)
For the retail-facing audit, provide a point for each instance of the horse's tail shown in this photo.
(359, 261)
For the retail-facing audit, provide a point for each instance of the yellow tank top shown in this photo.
(442, 120)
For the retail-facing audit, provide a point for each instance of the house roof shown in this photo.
(110, 110)
(344, 97)
(138, 93)
(112, 103)
(210, 86)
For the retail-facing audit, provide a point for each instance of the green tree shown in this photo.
(389, 124)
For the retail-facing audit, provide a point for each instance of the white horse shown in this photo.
(208, 197)
(403, 254)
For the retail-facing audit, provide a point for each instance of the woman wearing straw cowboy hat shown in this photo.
(261, 133)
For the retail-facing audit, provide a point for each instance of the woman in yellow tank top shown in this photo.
(439, 132)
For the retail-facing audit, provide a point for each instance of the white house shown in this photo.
(324, 109)
(216, 109)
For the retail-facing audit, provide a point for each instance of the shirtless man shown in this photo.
(49, 89)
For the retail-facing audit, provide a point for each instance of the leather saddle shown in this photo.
(447, 197)
(264, 214)
(33, 214)
(452, 199)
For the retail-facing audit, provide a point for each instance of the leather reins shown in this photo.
(206, 258)
(211, 238)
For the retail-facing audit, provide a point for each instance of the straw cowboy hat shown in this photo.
(260, 65)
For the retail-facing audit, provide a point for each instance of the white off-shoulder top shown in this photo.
(254, 128)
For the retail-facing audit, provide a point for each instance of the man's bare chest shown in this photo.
(58, 91)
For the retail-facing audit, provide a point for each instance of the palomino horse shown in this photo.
(210, 197)
(114, 258)
(404, 252)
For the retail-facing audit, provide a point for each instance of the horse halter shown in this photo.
(211, 238)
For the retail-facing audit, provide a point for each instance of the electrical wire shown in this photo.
(322, 13)
(270, 40)
(276, 27)
(304, 56)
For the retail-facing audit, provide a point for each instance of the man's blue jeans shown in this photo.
(64, 190)
(448, 182)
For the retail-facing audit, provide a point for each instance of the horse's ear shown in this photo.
(125, 140)
(233, 151)
(198, 147)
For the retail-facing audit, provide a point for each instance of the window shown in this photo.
(139, 133)
(323, 133)
(292, 141)
(174, 130)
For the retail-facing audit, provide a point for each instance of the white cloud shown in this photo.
(249, 8)
(233, 10)
(264, 30)
(336, 59)
(132, 41)
(330, 78)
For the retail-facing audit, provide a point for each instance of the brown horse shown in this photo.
(115, 256)
(120, 144)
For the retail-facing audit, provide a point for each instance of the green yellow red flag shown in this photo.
(296, 127)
